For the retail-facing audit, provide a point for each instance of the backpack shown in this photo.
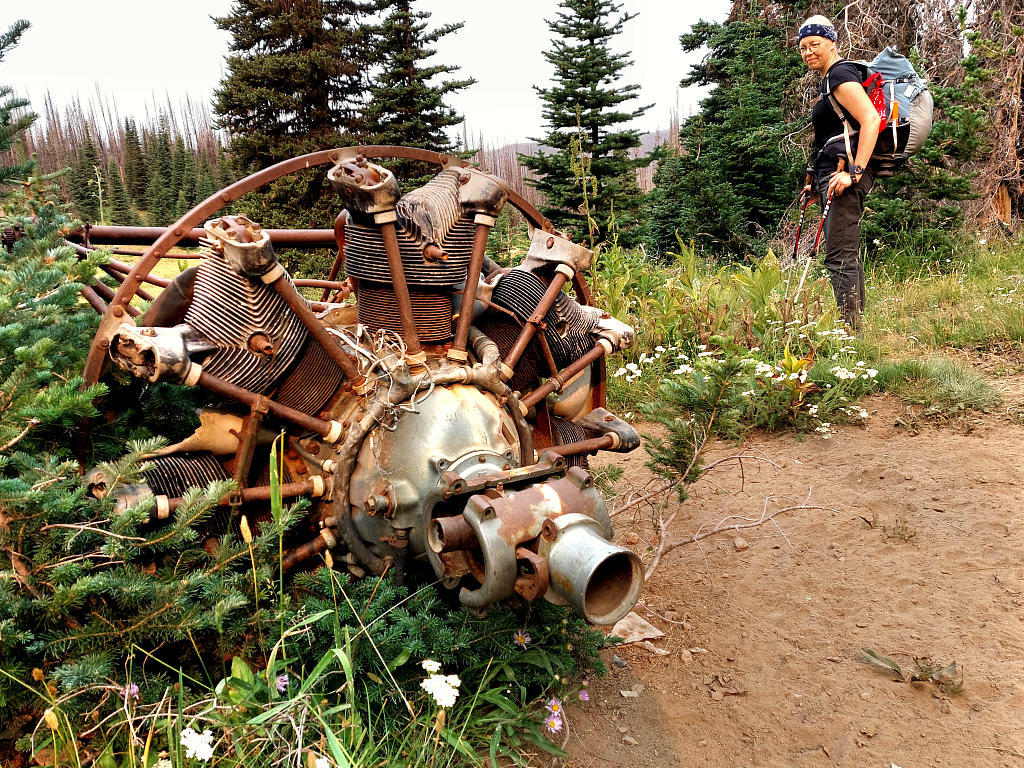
(904, 105)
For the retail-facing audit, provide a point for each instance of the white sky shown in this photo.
(138, 52)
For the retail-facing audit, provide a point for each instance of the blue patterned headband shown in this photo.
(818, 30)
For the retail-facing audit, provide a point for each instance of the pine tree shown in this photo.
(134, 164)
(117, 208)
(86, 186)
(161, 197)
(407, 107)
(14, 120)
(731, 182)
(295, 77)
(586, 101)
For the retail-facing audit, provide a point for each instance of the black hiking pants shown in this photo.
(842, 245)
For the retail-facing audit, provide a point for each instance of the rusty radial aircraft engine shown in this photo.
(438, 410)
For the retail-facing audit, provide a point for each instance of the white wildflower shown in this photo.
(163, 762)
(871, 373)
(659, 348)
(444, 689)
(619, 372)
(706, 354)
(197, 745)
(812, 410)
(322, 762)
(842, 373)
(683, 369)
(748, 393)
(429, 665)
(755, 349)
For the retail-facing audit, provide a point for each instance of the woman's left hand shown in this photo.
(839, 183)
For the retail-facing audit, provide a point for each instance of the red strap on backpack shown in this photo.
(873, 87)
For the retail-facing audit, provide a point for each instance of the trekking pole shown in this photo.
(817, 237)
(800, 225)
(796, 245)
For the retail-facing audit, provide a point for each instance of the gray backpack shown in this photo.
(904, 104)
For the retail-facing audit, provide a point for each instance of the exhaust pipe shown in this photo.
(601, 580)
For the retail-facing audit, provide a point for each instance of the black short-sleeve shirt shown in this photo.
(825, 120)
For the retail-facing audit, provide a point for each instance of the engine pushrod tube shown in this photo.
(476, 265)
(299, 306)
(534, 321)
(409, 332)
(590, 445)
(326, 429)
(258, 493)
(556, 382)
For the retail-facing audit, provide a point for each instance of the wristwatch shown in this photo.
(855, 172)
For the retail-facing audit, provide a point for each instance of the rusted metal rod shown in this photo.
(289, 238)
(331, 430)
(327, 285)
(108, 294)
(583, 446)
(120, 266)
(120, 277)
(534, 321)
(304, 552)
(476, 265)
(559, 380)
(94, 300)
(330, 344)
(261, 493)
(409, 332)
(339, 257)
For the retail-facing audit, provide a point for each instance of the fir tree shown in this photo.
(134, 164)
(118, 209)
(161, 197)
(586, 100)
(86, 176)
(295, 77)
(407, 106)
(14, 120)
(731, 182)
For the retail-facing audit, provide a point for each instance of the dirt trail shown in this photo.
(781, 680)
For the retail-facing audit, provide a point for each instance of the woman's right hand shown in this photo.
(808, 195)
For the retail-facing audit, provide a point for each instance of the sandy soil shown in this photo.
(765, 665)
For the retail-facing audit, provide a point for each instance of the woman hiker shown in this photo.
(830, 171)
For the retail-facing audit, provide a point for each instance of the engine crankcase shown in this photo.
(459, 429)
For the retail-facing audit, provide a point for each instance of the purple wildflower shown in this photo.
(553, 723)
(130, 692)
(522, 638)
(584, 696)
(554, 706)
(281, 683)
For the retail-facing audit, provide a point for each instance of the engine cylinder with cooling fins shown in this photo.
(311, 382)
(227, 310)
(365, 258)
(431, 309)
(173, 475)
(430, 282)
